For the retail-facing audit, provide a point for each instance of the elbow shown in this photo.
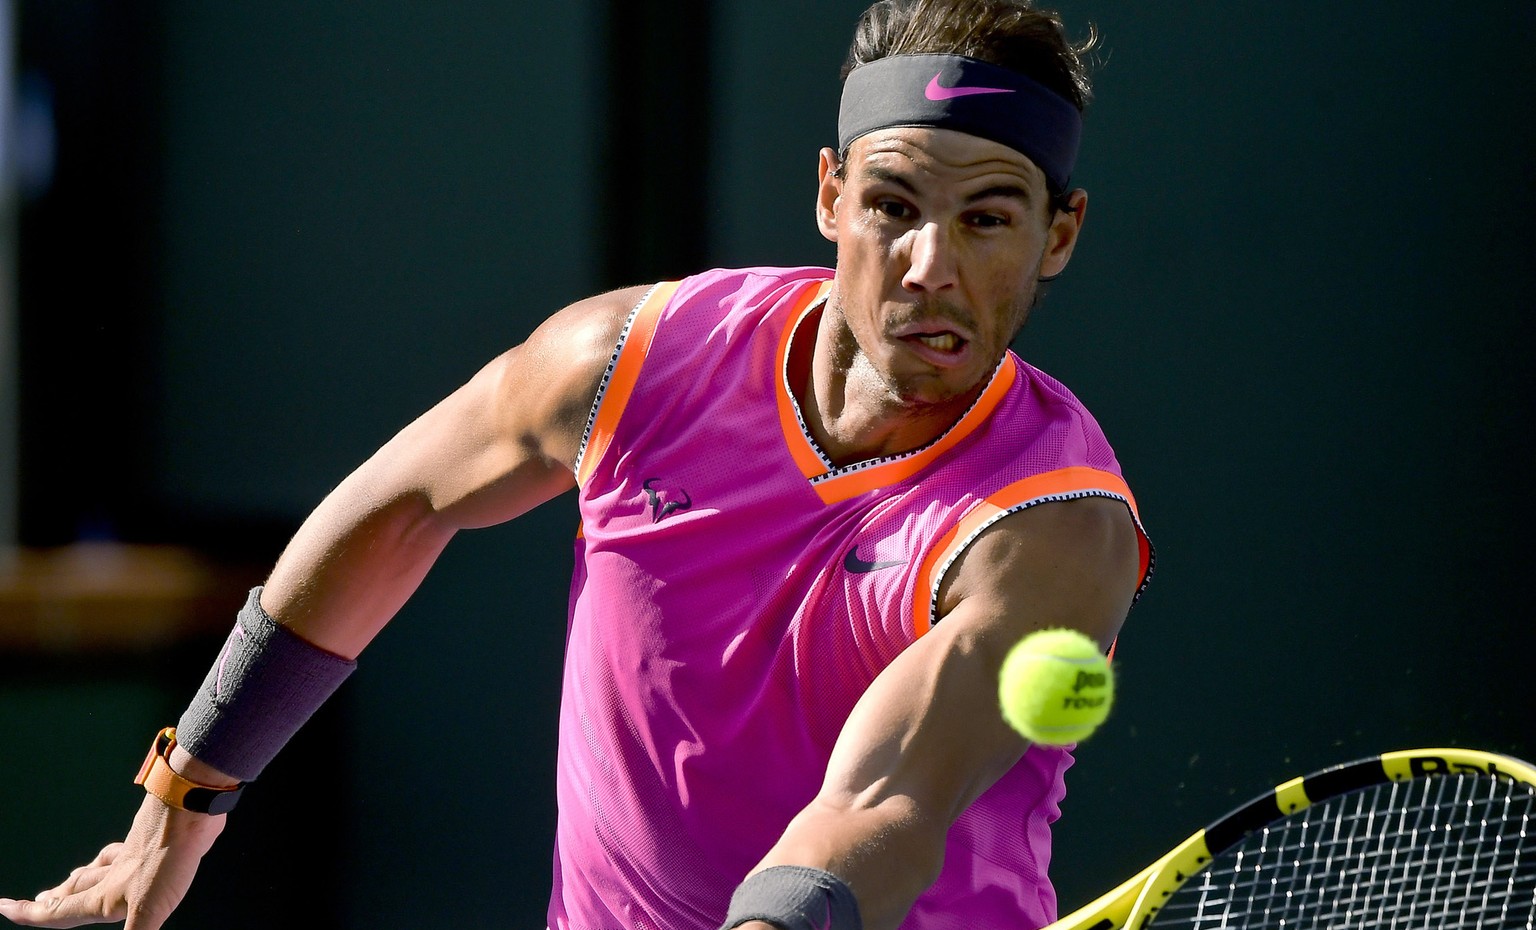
(914, 838)
(387, 514)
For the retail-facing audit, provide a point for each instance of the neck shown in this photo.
(850, 411)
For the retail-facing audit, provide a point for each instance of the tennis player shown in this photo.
(817, 508)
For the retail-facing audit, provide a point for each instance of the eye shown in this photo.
(989, 220)
(894, 209)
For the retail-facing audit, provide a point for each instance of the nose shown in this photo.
(931, 260)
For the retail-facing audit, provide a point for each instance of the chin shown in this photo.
(930, 393)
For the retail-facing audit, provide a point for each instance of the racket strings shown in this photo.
(1452, 851)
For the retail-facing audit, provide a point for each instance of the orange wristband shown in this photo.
(162, 781)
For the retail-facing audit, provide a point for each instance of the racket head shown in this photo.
(1253, 858)
(1375, 826)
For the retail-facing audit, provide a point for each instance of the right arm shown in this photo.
(497, 447)
(494, 449)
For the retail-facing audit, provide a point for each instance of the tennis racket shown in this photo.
(1424, 838)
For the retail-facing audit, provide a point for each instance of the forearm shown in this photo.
(920, 745)
(465, 463)
(353, 564)
(345, 573)
(888, 850)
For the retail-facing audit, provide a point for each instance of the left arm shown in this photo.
(927, 738)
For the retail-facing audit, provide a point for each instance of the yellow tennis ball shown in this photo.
(1056, 687)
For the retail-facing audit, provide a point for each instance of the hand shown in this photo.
(141, 879)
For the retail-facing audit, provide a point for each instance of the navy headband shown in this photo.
(967, 95)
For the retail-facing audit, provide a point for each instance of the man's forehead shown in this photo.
(945, 152)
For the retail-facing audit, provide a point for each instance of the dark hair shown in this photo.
(1008, 33)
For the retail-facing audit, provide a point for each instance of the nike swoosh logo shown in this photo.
(858, 566)
(937, 91)
(218, 683)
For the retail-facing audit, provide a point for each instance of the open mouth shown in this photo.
(940, 342)
(936, 338)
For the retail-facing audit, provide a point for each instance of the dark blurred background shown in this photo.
(248, 243)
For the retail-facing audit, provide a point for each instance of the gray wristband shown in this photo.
(266, 683)
(795, 898)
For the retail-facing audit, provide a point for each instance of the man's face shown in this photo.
(942, 238)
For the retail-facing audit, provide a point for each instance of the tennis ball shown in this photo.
(1056, 687)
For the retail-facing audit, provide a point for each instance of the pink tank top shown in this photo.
(735, 594)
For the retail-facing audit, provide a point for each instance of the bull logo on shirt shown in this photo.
(665, 501)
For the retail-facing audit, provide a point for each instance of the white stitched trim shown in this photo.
(886, 460)
(789, 389)
(938, 576)
(602, 387)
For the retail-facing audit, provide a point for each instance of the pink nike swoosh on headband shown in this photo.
(937, 91)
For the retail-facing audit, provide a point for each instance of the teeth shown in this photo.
(944, 342)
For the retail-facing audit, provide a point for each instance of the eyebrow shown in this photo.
(1003, 190)
(1015, 191)
(885, 174)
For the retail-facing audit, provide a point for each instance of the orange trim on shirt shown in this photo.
(800, 448)
(854, 483)
(626, 371)
(1077, 480)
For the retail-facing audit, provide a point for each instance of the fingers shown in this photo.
(141, 880)
(106, 856)
(74, 902)
(80, 880)
(53, 910)
(86, 904)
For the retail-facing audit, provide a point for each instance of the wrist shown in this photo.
(265, 684)
(792, 897)
(191, 768)
(168, 819)
(175, 789)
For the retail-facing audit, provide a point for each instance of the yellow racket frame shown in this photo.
(1132, 903)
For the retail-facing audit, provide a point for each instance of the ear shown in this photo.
(829, 189)
(1061, 238)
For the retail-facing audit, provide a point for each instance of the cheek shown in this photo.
(1009, 291)
(864, 255)
(1011, 265)
(998, 283)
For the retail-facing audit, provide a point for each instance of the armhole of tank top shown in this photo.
(619, 378)
(1060, 485)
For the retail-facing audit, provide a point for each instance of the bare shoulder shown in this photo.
(549, 383)
(1070, 563)
(585, 332)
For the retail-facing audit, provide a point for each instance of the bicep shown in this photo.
(507, 440)
(1074, 563)
(500, 445)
